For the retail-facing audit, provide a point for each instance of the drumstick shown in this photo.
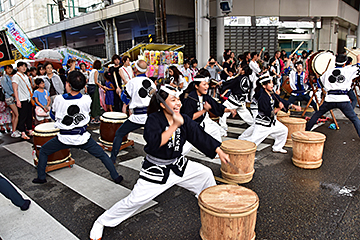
(163, 102)
(351, 51)
(298, 47)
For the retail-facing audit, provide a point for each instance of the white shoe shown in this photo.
(16, 134)
(280, 151)
(96, 231)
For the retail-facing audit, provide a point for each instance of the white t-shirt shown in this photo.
(255, 67)
(70, 114)
(138, 89)
(92, 76)
(22, 80)
(339, 79)
(127, 72)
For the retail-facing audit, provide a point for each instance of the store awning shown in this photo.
(135, 51)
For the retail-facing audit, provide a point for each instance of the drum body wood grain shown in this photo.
(242, 156)
(308, 149)
(42, 134)
(228, 212)
(286, 85)
(293, 125)
(109, 124)
(282, 114)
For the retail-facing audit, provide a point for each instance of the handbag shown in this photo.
(40, 112)
(2, 95)
(31, 94)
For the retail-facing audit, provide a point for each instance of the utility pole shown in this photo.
(158, 22)
(61, 15)
(164, 27)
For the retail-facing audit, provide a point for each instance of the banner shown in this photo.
(20, 40)
(6, 57)
(80, 56)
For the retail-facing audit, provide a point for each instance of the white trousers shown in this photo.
(211, 128)
(242, 111)
(196, 178)
(257, 133)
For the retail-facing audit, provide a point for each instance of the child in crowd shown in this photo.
(42, 102)
(109, 95)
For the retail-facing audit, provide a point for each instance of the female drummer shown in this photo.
(197, 105)
(165, 133)
(240, 87)
(269, 103)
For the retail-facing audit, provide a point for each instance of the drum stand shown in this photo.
(109, 146)
(314, 90)
(51, 167)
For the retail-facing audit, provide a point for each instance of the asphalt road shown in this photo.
(294, 203)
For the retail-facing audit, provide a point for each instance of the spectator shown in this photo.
(6, 84)
(42, 102)
(126, 74)
(177, 78)
(40, 70)
(193, 68)
(93, 90)
(53, 83)
(22, 91)
(186, 72)
(116, 80)
(109, 95)
(214, 68)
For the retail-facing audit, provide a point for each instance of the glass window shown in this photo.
(1, 6)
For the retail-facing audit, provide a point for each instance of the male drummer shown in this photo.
(71, 114)
(137, 94)
(337, 82)
(298, 83)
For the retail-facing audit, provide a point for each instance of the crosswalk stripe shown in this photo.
(26, 225)
(97, 189)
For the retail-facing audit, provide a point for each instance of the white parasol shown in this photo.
(49, 53)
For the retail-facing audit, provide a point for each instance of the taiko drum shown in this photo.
(308, 149)
(293, 125)
(242, 157)
(109, 124)
(282, 114)
(42, 134)
(228, 212)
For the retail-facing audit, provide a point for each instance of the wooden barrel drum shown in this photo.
(242, 156)
(293, 125)
(109, 124)
(42, 134)
(308, 149)
(282, 114)
(228, 212)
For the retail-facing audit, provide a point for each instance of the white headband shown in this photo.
(173, 92)
(139, 68)
(206, 79)
(341, 63)
(265, 79)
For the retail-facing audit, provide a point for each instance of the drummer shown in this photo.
(240, 87)
(298, 83)
(165, 133)
(137, 95)
(337, 83)
(197, 105)
(71, 115)
(269, 103)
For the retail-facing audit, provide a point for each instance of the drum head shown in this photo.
(229, 199)
(321, 62)
(292, 120)
(238, 146)
(46, 128)
(353, 56)
(309, 136)
(282, 114)
(114, 115)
